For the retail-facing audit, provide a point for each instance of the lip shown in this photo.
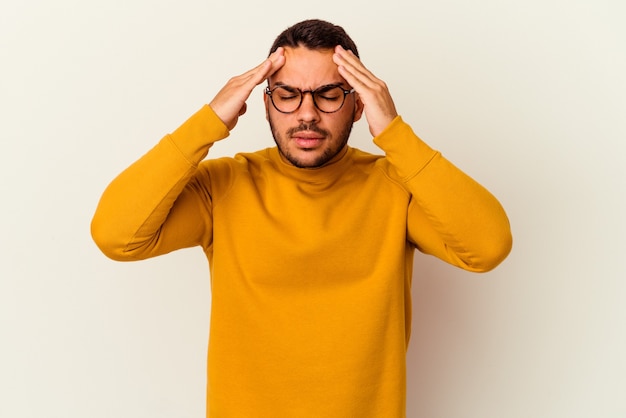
(307, 139)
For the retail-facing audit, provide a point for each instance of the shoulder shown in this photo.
(377, 168)
(364, 159)
(240, 162)
(369, 162)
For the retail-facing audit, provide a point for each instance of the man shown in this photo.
(310, 243)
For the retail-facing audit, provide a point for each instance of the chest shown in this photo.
(277, 231)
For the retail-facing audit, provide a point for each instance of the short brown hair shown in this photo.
(315, 34)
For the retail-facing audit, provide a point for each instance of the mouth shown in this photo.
(308, 139)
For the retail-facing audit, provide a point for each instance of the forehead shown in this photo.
(307, 69)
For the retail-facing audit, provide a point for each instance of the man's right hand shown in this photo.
(230, 101)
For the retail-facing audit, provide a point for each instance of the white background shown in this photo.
(526, 96)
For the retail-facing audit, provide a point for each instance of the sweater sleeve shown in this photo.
(450, 215)
(158, 205)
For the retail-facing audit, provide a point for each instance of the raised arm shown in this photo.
(451, 216)
(161, 202)
(149, 208)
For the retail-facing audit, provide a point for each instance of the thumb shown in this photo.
(243, 109)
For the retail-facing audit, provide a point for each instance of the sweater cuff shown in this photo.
(406, 152)
(198, 133)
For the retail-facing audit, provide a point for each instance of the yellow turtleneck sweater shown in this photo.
(310, 268)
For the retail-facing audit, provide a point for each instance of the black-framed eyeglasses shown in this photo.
(328, 99)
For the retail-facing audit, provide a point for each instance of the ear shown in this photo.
(358, 107)
(266, 102)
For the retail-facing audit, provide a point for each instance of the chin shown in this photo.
(304, 162)
(309, 158)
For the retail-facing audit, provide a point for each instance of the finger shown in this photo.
(277, 58)
(268, 67)
(256, 75)
(356, 71)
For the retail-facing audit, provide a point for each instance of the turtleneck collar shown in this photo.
(324, 174)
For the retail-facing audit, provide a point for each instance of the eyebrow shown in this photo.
(338, 84)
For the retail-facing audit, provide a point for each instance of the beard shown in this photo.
(328, 153)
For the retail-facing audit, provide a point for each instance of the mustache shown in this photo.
(311, 127)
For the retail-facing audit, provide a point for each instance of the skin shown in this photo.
(309, 138)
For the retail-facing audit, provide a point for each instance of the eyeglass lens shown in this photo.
(328, 99)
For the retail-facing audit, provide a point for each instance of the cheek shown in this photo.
(275, 125)
(280, 121)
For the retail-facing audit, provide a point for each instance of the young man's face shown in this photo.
(308, 137)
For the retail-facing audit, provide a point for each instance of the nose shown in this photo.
(308, 112)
